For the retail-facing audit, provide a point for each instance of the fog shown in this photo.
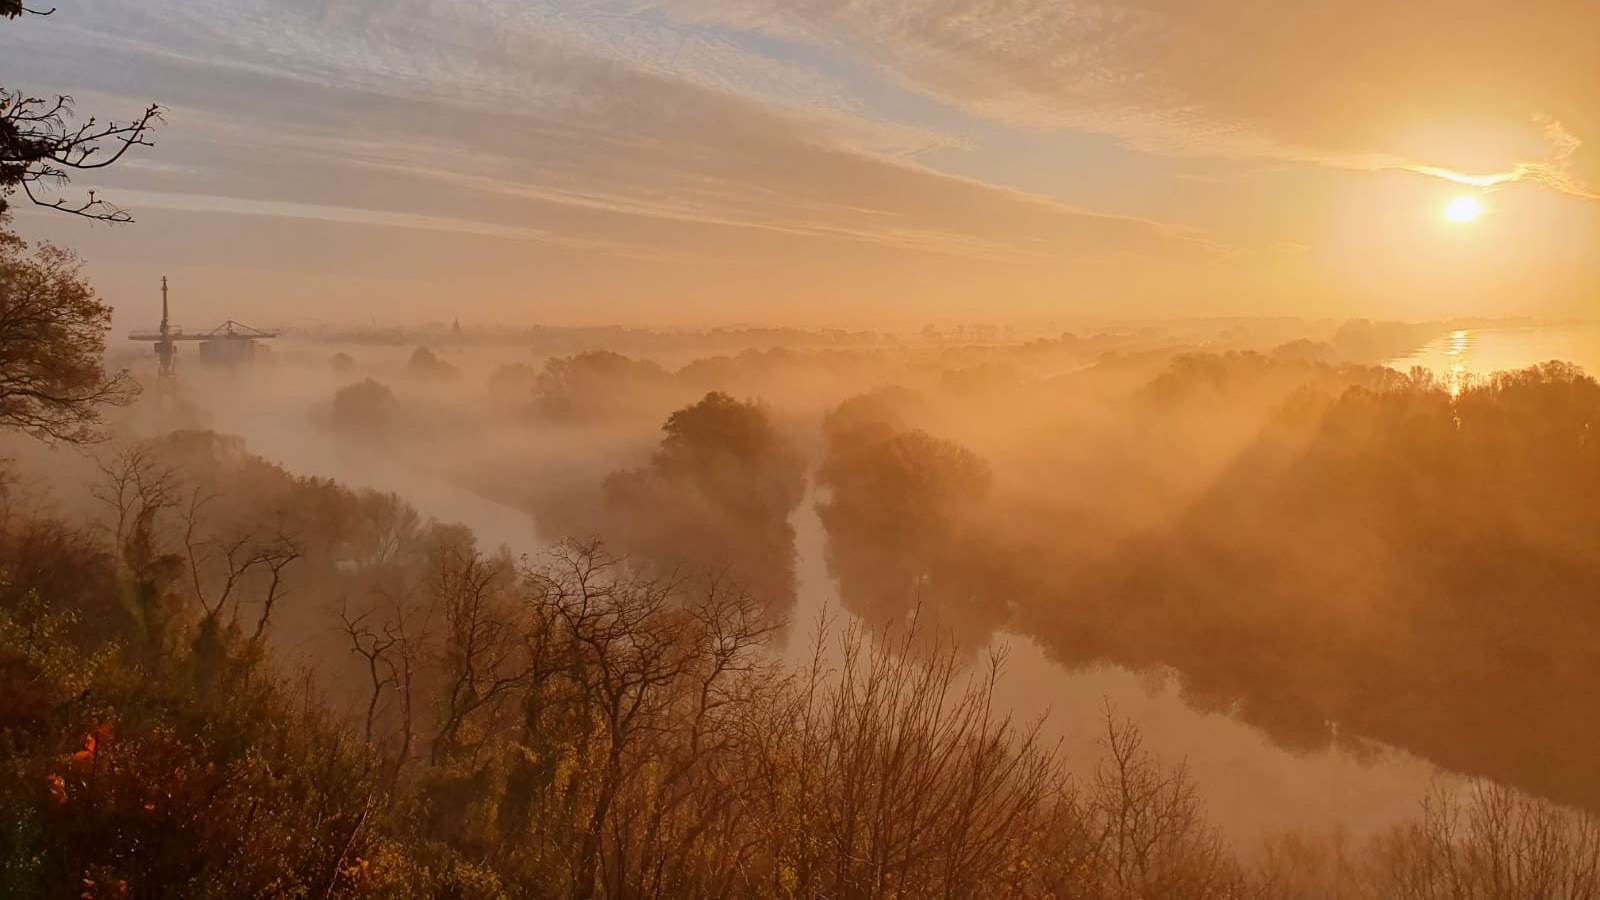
(1080, 447)
(1315, 583)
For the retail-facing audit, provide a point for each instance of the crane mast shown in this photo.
(166, 350)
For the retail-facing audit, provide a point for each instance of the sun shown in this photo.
(1463, 210)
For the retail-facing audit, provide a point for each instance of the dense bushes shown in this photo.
(135, 781)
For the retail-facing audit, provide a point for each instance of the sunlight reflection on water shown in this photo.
(1460, 362)
(1458, 358)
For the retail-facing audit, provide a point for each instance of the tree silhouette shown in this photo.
(53, 381)
(716, 496)
(41, 147)
(366, 407)
(901, 512)
(426, 364)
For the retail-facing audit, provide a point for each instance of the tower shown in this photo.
(166, 349)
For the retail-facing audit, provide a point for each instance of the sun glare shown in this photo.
(1463, 210)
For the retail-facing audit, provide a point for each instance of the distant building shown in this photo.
(227, 352)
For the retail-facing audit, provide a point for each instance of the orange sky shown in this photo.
(846, 162)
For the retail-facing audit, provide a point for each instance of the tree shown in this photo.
(1483, 840)
(481, 657)
(52, 326)
(1138, 830)
(905, 532)
(511, 386)
(40, 146)
(53, 381)
(899, 774)
(221, 569)
(601, 385)
(654, 665)
(138, 493)
(427, 364)
(366, 407)
(716, 498)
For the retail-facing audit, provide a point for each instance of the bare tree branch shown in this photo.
(40, 148)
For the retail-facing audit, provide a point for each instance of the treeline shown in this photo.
(588, 386)
(555, 340)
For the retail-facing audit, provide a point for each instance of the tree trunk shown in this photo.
(583, 881)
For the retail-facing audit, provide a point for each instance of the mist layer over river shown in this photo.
(1252, 786)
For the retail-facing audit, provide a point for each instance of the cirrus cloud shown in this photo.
(1478, 91)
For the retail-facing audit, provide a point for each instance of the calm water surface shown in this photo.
(1458, 357)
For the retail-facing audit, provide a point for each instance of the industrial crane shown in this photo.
(230, 343)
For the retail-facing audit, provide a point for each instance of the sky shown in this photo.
(849, 163)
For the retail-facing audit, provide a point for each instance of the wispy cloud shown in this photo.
(1323, 82)
(604, 130)
(563, 121)
(320, 212)
(1557, 172)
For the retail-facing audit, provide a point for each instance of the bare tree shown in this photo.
(374, 648)
(390, 651)
(387, 526)
(1139, 832)
(403, 660)
(685, 830)
(220, 568)
(1482, 840)
(481, 654)
(896, 777)
(41, 148)
(274, 557)
(626, 648)
(138, 493)
(1306, 865)
(134, 487)
(664, 668)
